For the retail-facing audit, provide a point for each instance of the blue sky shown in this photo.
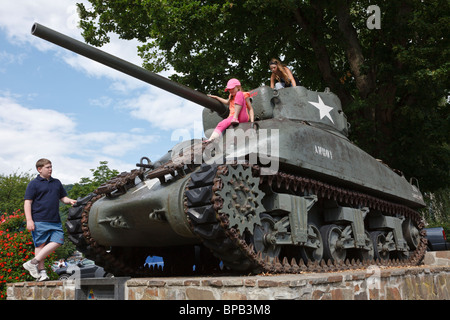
(76, 112)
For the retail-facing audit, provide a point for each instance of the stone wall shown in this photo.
(430, 283)
(412, 283)
(46, 290)
(437, 258)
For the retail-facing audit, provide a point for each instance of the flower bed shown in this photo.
(16, 247)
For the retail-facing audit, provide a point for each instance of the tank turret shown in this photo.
(286, 193)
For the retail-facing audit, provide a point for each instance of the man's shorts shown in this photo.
(45, 232)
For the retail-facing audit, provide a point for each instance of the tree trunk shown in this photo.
(365, 83)
(321, 53)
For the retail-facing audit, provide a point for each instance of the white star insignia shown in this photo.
(323, 109)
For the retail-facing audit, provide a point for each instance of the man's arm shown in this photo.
(67, 200)
(28, 216)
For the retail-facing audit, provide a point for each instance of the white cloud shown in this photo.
(111, 144)
(122, 49)
(29, 134)
(164, 110)
(15, 116)
(9, 58)
(102, 102)
(17, 18)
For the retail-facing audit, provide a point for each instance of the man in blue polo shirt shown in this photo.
(41, 206)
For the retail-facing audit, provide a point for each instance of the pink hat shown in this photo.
(232, 83)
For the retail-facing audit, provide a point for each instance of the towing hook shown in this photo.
(142, 165)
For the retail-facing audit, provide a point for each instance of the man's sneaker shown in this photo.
(32, 268)
(43, 276)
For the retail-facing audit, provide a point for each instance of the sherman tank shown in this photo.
(288, 193)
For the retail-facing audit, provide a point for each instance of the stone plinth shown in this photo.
(437, 258)
(374, 283)
(418, 283)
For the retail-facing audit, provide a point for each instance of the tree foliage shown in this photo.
(12, 190)
(87, 185)
(437, 212)
(392, 81)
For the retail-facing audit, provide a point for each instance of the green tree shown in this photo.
(437, 212)
(12, 190)
(392, 81)
(87, 185)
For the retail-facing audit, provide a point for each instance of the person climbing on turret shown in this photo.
(238, 114)
(282, 76)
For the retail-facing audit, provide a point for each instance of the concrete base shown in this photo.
(427, 282)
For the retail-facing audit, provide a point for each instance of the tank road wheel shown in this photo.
(381, 250)
(263, 240)
(333, 245)
(314, 251)
(411, 234)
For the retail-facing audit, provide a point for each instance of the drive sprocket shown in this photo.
(241, 198)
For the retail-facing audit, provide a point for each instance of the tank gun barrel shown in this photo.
(127, 67)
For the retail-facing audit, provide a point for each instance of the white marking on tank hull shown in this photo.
(324, 152)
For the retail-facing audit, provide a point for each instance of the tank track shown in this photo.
(213, 225)
(202, 206)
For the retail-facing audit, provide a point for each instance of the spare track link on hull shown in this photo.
(203, 206)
